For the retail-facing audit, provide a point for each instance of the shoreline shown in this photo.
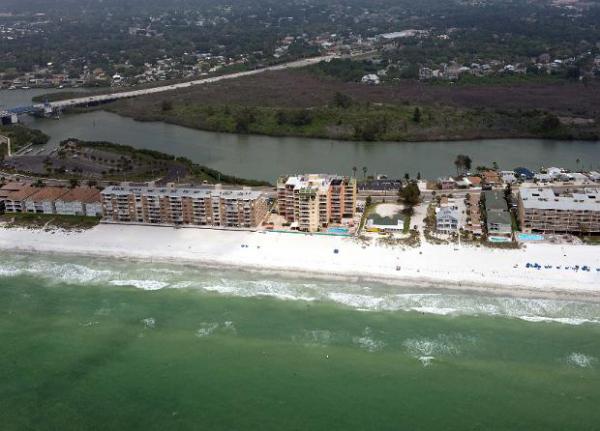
(221, 250)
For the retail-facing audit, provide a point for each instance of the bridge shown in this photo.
(50, 107)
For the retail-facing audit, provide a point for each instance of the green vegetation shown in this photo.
(406, 227)
(49, 221)
(410, 195)
(350, 120)
(591, 239)
(21, 135)
(158, 163)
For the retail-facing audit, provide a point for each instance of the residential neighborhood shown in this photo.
(489, 206)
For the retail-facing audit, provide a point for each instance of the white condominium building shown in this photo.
(546, 210)
(313, 201)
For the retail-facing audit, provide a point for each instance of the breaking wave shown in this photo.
(581, 360)
(360, 296)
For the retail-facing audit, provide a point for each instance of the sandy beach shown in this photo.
(461, 267)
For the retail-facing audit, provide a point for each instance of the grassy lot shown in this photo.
(407, 218)
(592, 240)
(51, 221)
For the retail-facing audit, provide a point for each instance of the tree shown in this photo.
(410, 194)
(418, 176)
(39, 183)
(417, 115)
(364, 170)
(495, 166)
(342, 100)
(550, 122)
(577, 162)
(462, 163)
(354, 169)
(243, 120)
(73, 182)
(407, 176)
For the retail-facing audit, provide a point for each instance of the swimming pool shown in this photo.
(498, 239)
(530, 237)
(338, 230)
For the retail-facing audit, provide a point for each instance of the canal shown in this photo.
(265, 158)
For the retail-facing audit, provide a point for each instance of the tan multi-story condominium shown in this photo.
(184, 206)
(547, 210)
(311, 202)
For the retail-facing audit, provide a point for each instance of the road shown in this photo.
(171, 87)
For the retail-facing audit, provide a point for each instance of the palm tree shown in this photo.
(577, 162)
(354, 169)
(364, 169)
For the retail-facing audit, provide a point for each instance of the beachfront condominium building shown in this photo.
(24, 198)
(14, 195)
(42, 201)
(80, 201)
(184, 206)
(313, 201)
(549, 210)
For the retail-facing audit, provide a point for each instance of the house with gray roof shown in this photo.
(498, 219)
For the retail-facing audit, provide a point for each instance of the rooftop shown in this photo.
(193, 192)
(47, 194)
(82, 194)
(494, 199)
(21, 193)
(587, 199)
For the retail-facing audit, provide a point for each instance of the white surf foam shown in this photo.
(563, 320)
(149, 322)
(367, 341)
(206, 329)
(581, 360)
(141, 284)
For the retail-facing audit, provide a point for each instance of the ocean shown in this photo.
(108, 344)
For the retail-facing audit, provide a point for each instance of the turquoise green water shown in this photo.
(86, 344)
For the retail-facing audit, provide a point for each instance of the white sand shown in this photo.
(464, 267)
(388, 210)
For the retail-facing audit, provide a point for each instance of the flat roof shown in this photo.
(386, 220)
(181, 192)
(587, 199)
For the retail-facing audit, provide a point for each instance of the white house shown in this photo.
(446, 219)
